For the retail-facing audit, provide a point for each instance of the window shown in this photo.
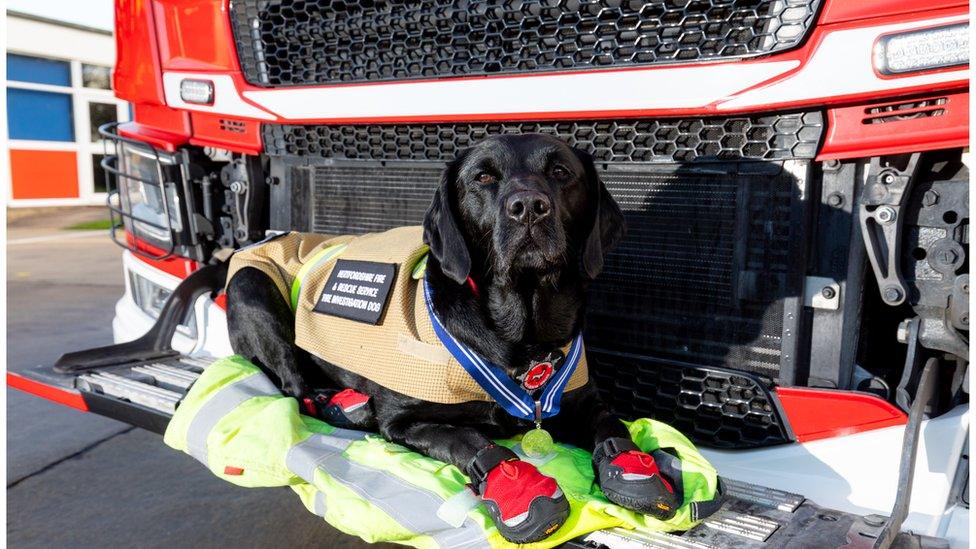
(54, 109)
(98, 172)
(38, 70)
(98, 114)
(96, 76)
(39, 115)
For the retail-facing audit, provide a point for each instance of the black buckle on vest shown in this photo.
(487, 459)
(613, 447)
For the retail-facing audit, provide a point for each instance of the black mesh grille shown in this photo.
(716, 407)
(772, 137)
(284, 43)
(700, 276)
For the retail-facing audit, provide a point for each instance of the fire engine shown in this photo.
(793, 292)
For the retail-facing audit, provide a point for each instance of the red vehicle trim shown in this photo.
(71, 399)
(179, 267)
(228, 132)
(816, 414)
(138, 73)
(851, 135)
(163, 139)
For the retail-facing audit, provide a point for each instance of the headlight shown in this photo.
(143, 197)
(923, 49)
(150, 297)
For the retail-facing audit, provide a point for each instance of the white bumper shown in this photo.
(130, 321)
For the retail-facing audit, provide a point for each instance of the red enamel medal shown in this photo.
(537, 376)
(540, 371)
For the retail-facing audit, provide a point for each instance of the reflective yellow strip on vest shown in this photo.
(420, 268)
(414, 508)
(219, 405)
(319, 258)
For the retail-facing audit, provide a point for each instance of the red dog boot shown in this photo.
(525, 505)
(347, 408)
(631, 478)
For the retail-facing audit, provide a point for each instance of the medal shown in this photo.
(540, 371)
(537, 443)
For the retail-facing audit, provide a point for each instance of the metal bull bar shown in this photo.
(170, 181)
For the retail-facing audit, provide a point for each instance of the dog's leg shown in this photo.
(629, 477)
(449, 443)
(525, 505)
(262, 329)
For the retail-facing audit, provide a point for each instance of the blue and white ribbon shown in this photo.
(508, 394)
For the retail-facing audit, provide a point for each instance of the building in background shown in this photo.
(59, 91)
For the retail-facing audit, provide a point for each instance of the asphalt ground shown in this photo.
(81, 480)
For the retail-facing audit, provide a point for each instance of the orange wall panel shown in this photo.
(44, 174)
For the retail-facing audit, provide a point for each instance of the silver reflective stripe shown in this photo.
(219, 405)
(412, 507)
(318, 505)
(304, 457)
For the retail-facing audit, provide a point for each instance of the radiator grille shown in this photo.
(771, 137)
(285, 43)
(681, 285)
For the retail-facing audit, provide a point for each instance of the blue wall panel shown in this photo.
(37, 70)
(41, 116)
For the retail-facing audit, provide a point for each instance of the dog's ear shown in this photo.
(608, 221)
(441, 230)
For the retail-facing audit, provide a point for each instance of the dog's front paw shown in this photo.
(632, 479)
(347, 408)
(525, 505)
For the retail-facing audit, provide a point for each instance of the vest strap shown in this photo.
(487, 459)
(613, 447)
(320, 257)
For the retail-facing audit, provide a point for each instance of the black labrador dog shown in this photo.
(526, 222)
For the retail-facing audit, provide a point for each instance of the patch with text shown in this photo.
(357, 290)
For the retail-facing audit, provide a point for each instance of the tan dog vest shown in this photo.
(401, 352)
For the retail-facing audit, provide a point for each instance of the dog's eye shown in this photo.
(559, 172)
(485, 178)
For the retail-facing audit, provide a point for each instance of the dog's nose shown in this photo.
(528, 206)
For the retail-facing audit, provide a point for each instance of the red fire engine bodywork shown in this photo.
(195, 37)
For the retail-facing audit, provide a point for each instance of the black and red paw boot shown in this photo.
(632, 479)
(347, 408)
(525, 505)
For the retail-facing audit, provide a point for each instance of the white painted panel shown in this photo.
(658, 88)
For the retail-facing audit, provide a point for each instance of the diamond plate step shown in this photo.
(769, 497)
(748, 526)
(619, 538)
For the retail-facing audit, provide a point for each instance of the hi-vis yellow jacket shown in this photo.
(235, 422)
(401, 351)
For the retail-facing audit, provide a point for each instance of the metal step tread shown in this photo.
(751, 517)
(159, 385)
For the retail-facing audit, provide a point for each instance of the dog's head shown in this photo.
(521, 205)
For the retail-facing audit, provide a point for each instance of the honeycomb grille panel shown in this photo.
(773, 137)
(286, 43)
(711, 406)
